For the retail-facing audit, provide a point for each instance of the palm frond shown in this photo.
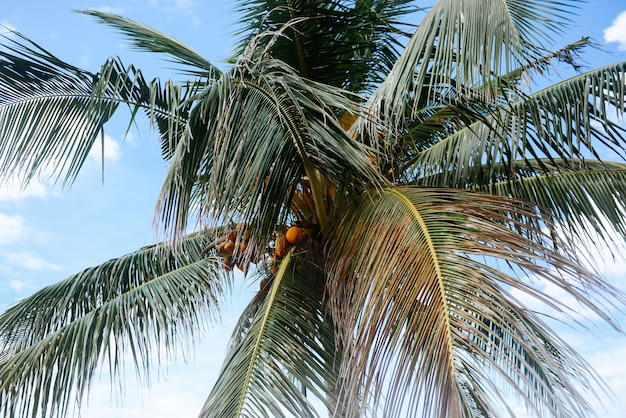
(279, 355)
(431, 327)
(138, 306)
(585, 197)
(49, 117)
(51, 112)
(291, 131)
(569, 121)
(454, 48)
(347, 44)
(148, 39)
(444, 111)
(568, 54)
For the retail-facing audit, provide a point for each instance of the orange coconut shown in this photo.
(295, 235)
(229, 247)
(282, 246)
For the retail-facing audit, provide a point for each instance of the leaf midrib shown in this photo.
(433, 254)
(269, 301)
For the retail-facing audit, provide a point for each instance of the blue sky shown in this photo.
(48, 232)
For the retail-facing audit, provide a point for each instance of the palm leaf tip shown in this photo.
(145, 38)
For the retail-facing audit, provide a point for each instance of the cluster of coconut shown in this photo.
(283, 243)
(236, 252)
(294, 235)
(234, 248)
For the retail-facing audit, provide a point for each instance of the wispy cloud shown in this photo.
(12, 190)
(617, 31)
(18, 285)
(112, 150)
(605, 256)
(18, 255)
(12, 229)
(607, 360)
(28, 261)
(163, 401)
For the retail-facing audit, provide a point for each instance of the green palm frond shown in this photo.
(425, 209)
(454, 48)
(145, 38)
(567, 122)
(586, 199)
(279, 357)
(348, 44)
(447, 109)
(51, 113)
(136, 306)
(252, 137)
(167, 105)
(429, 324)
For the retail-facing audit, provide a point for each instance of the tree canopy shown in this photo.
(390, 185)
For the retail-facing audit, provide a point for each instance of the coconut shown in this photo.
(282, 247)
(295, 235)
(229, 247)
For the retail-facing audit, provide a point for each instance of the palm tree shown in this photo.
(388, 190)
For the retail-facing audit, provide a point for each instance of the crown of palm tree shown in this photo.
(373, 181)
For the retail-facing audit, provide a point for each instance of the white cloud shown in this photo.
(608, 363)
(12, 229)
(18, 285)
(617, 31)
(112, 150)
(15, 261)
(29, 261)
(161, 401)
(13, 187)
(607, 256)
(605, 355)
(12, 190)
(132, 139)
(568, 306)
(602, 347)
